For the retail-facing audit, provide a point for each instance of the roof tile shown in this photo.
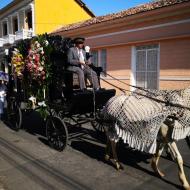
(135, 10)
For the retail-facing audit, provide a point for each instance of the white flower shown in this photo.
(16, 50)
(43, 104)
(46, 43)
(32, 99)
(40, 68)
(37, 44)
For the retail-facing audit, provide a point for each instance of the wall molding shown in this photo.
(139, 29)
(162, 78)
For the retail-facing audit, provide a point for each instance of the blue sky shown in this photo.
(4, 2)
(102, 7)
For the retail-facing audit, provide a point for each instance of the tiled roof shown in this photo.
(135, 10)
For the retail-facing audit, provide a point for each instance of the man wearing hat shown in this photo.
(78, 64)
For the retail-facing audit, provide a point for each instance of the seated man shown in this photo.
(78, 64)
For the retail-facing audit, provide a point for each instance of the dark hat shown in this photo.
(79, 40)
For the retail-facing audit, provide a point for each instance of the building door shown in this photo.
(146, 66)
(15, 25)
(28, 20)
(5, 29)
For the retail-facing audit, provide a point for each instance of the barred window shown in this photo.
(103, 59)
(146, 70)
(94, 58)
(99, 58)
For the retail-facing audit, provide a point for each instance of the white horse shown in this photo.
(149, 123)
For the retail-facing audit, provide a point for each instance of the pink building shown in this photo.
(148, 45)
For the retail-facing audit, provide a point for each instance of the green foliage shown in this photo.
(43, 112)
(50, 53)
(23, 46)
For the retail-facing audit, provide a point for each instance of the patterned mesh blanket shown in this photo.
(182, 126)
(137, 119)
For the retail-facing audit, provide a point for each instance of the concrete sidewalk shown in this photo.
(28, 163)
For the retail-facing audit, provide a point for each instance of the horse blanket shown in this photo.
(137, 118)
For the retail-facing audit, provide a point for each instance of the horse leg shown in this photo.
(115, 157)
(163, 133)
(176, 154)
(156, 157)
(108, 149)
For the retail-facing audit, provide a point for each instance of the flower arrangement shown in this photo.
(35, 62)
(18, 63)
(40, 62)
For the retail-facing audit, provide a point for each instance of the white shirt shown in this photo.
(81, 57)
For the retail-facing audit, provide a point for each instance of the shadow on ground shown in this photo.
(91, 143)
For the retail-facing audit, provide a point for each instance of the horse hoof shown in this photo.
(187, 188)
(119, 166)
(107, 157)
(156, 170)
(160, 174)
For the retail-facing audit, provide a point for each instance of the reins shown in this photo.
(167, 103)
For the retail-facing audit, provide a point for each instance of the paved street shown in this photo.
(27, 163)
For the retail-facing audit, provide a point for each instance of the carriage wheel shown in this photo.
(97, 123)
(14, 115)
(98, 126)
(57, 133)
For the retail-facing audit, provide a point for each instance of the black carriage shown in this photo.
(63, 104)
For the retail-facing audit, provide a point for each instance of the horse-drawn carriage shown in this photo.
(148, 120)
(55, 94)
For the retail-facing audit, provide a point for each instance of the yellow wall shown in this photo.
(52, 14)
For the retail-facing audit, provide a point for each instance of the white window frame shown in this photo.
(99, 56)
(133, 65)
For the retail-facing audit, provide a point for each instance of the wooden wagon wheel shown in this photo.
(14, 115)
(56, 132)
(97, 124)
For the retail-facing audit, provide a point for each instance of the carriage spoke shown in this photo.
(14, 115)
(57, 133)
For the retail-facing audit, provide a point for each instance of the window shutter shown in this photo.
(147, 66)
(141, 68)
(94, 58)
(152, 65)
(103, 58)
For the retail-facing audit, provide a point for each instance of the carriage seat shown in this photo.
(71, 78)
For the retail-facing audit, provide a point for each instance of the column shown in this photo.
(10, 24)
(1, 29)
(33, 18)
(18, 18)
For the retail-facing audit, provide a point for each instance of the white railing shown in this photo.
(8, 39)
(2, 42)
(23, 34)
(19, 35)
